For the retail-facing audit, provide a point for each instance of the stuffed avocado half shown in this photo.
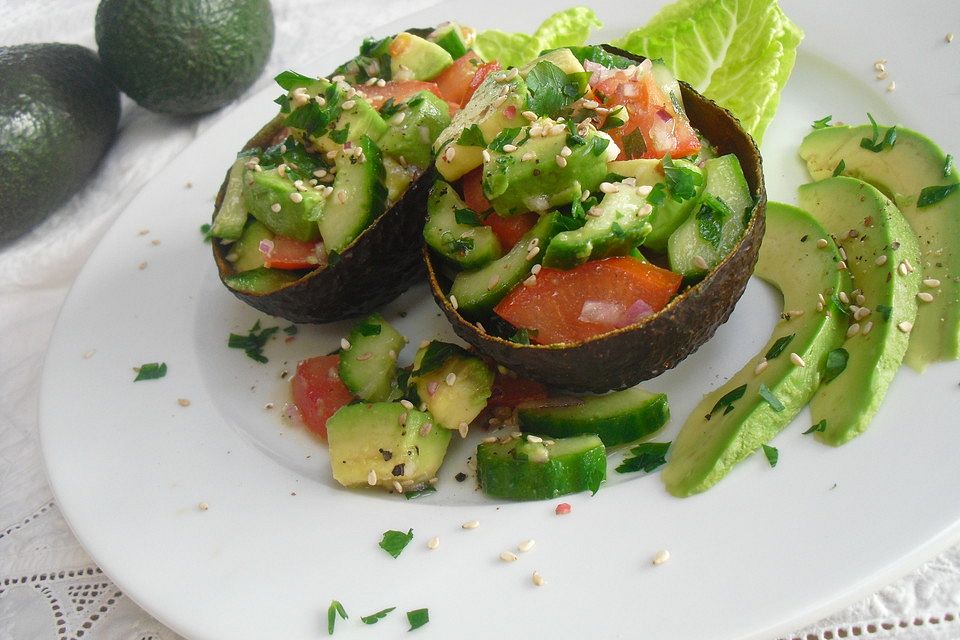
(320, 216)
(593, 220)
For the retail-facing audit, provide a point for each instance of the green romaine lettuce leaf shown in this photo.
(737, 52)
(570, 27)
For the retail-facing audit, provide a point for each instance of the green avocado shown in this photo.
(734, 420)
(456, 388)
(359, 119)
(410, 130)
(563, 58)
(413, 58)
(58, 116)
(280, 206)
(245, 253)
(883, 258)
(901, 172)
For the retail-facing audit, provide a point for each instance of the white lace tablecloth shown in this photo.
(50, 589)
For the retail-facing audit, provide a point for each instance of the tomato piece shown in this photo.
(651, 115)
(593, 298)
(510, 391)
(482, 72)
(318, 391)
(288, 253)
(508, 230)
(399, 90)
(472, 188)
(455, 80)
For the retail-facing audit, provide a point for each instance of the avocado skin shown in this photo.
(379, 265)
(626, 357)
(58, 116)
(184, 57)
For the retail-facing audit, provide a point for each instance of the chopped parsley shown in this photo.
(834, 365)
(151, 371)
(522, 336)
(333, 258)
(340, 135)
(839, 168)
(253, 343)
(574, 139)
(876, 144)
(710, 219)
(370, 329)
(394, 542)
(410, 495)
(613, 121)
(472, 137)
(681, 181)
(313, 118)
(205, 230)
(646, 457)
(291, 330)
(390, 108)
(773, 455)
(634, 146)
(838, 305)
(779, 346)
(418, 618)
(933, 195)
(467, 217)
(435, 355)
(599, 145)
(947, 166)
(503, 138)
(289, 80)
(728, 399)
(461, 245)
(551, 90)
(822, 123)
(335, 609)
(658, 194)
(884, 311)
(771, 399)
(817, 428)
(374, 618)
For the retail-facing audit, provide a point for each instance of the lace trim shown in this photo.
(867, 630)
(30, 518)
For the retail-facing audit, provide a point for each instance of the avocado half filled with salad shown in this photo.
(593, 220)
(320, 216)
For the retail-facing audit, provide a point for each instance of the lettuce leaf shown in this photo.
(737, 52)
(567, 28)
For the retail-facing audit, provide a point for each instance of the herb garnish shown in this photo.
(834, 365)
(646, 457)
(335, 609)
(773, 455)
(151, 371)
(461, 245)
(820, 426)
(779, 346)
(933, 195)
(291, 330)
(837, 304)
(710, 219)
(435, 355)
(522, 336)
(552, 90)
(370, 329)
(681, 181)
(613, 120)
(313, 118)
(205, 230)
(394, 542)
(291, 79)
(410, 495)
(728, 399)
(599, 145)
(340, 135)
(822, 123)
(333, 258)
(472, 137)
(884, 310)
(658, 194)
(947, 165)
(876, 144)
(839, 168)
(503, 138)
(390, 108)
(418, 617)
(374, 618)
(467, 217)
(252, 343)
(771, 399)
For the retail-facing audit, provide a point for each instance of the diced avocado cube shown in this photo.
(411, 134)
(280, 206)
(456, 386)
(245, 253)
(397, 179)
(261, 280)
(413, 58)
(359, 120)
(468, 245)
(368, 366)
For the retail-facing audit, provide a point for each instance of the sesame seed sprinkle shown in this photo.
(349, 104)
(761, 367)
(508, 556)
(566, 152)
(526, 545)
(143, 265)
(822, 243)
(89, 354)
(463, 428)
(529, 115)
(183, 402)
(296, 197)
(905, 326)
(932, 283)
(451, 379)
(861, 313)
(449, 154)
(486, 155)
(662, 556)
(454, 303)
(530, 281)
(867, 328)
(534, 439)
(397, 487)
(902, 269)
(344, 344)
(644, 190)
(797, 360)
(948, 37)
(532, 253)
(881, 260)
(372, 477)
(538, 579)
(494, 281)
(892, 86)
(425, 429)
(509, 148)
(536, 269)
(700, 263)
(561, 161)
(853, 329)
(608, 187)
(203, 506)
(342, 196)
(528, 156)
(925, 296)
(398, 117)
(841, 265)
(433, 543)
(470, 524)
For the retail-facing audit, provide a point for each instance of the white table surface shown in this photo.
(49, 587)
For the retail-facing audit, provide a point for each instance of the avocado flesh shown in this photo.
(707, 449)
(245, 253)
(413, 58)
(842, 204)
(459, 403)
(263, 191)
(901, 172)
(405, 139)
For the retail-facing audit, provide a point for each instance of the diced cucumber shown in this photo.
(617, 418)
(521, 469)
(672, 212)
(478, 291)
(467, 245)
(368, 366)
(232, 215)
(450, 36)
(359, 195)
(245, 253)
(262, 280)
(454, 385)
(424, 117)
(385, 443)
(275, 201)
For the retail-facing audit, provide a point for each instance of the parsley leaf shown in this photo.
(418, 618)
(522, 336)
(834, 365)
(315, 119)
(205, 230)
(947, 165)
(467, 217)
(151, 371)
(435, 355)
(884, 311)
(461, 245)
(574, 139)
(822, 123)
(374, 618)
(773, 455)
(779, 346)
(599, 145)
(394, 542)
(614, 120)
(710, 219)
(291, 330)
(370, 329)
(389, 108)
(728, 399)
(820, 426)
(771, 399)
(472, 137)
(658, 194)
(681, 181)
(291, 80)
(646, 457)
(335, 609)
(838, 305)
(340, 135)
(876, 144)
(552, 90)
(333, 258)
(839, 168)
(505, 137)
(253, 343)
(410, 495)
(634, 146)
(933, 195)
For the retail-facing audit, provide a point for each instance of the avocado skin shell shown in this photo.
(383, 262)
(58, 116)
(625, 357)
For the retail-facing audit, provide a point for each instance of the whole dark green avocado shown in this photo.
(184, 57)
(58, 116)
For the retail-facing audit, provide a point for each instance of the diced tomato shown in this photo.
(318, 391)
(482, 72)
(593, 298)
(509, 391)
(288, 253)
(473, 191)
(399, 90)
(651, 115)
(509, 230)
(454, 82)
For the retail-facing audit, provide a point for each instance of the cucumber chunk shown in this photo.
(434, 368)
(368, 367)
(469, 246)
(262, 280)
(521, 469)
(359, 195)
(232, 215)
(617, 418)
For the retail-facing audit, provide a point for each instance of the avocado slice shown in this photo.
(879, 247)
(453, 384)
(267, 197)
(901, 172)
(404, 137)
(414, 58)
(731, 422)
(245, 253)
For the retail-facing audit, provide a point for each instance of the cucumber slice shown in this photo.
(359, 195)
(521, 469)
(368, 367)
(469, 246)
(262, 280)
(454, 385)
(617, 418)
(232, 215)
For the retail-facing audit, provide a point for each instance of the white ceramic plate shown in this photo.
(762, 553)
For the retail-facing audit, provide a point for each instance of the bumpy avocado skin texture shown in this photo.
(901, 172)
(58, 116)
(628, 356)
(184, 57)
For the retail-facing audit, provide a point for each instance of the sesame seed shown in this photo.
(449, 154)
(268, 406)
(143, 265)
(282, 170)
(402, 419)
(822, 243)
(296, 197)
(372, 477)
(700, 263)
(183, 402)
(795, 313)
(463, 428)
(486, 155)
(320, 100)
(349, 104)
(494, 281)
(902, 269)
(509, 148)
(344, 344)
(867, 328)
(882, 75)
(861, 313)
(925, 296)
(948, 37)
(842, 252)
(557, 129)
(538, 579)
(342, 196)
(471, 524)
(797, 360)
(536, 269)
(529, 115)
(662, 556)
(203, 506)
(892, 86)
(534, 439)
(407, 404)
(499, 101)
(933, 283)
(561, 161)
(526, 545)
(509, 75)
(841, 265)
(607, 187)
(881, 260)
(761, 367)
(366, 355)
(566, 152)
(532, 253)
(861, 299)
(155, 242)
(508, 556)
(530, 281)
(381, 82)
(424, 344)
(425, 429)
(398, 117)
(905, 326)
(397, 487)
(89, 354)
(433, 543)
(590, 104)
(907, 264)
(853, 329)
(844, 298)
(819, 306)
(331, 154)
(451, 379)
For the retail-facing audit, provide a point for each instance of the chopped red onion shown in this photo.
(510, 112)
(633, 313)
(600, 312)
(664, 115)
(266, 247)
